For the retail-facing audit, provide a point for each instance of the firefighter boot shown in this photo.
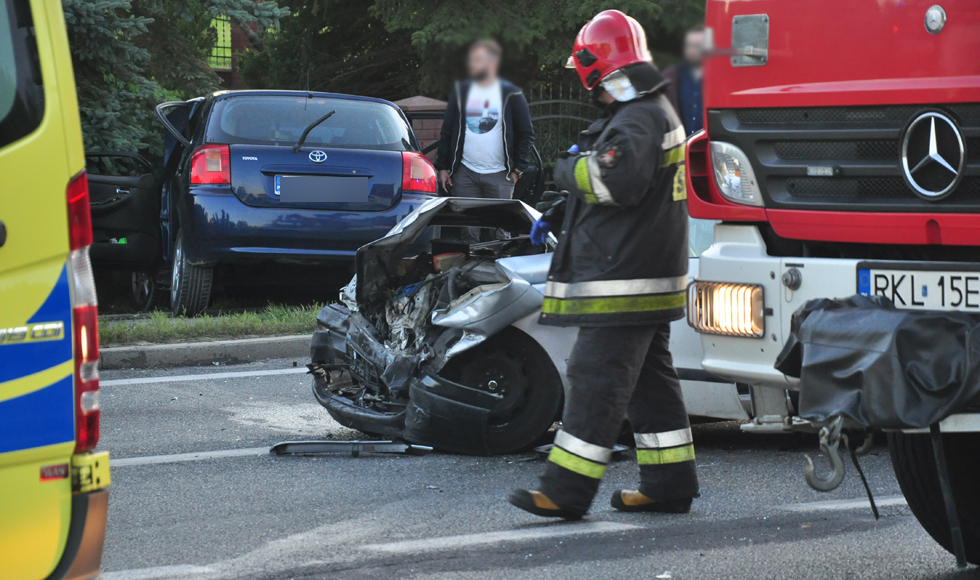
(538, 504)
(627, 500)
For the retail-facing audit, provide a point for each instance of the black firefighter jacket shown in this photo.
(622, 251)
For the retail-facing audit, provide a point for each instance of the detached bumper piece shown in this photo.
(355, 448)
(880, 367)
(440, 414)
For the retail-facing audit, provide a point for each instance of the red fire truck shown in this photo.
(841, 156)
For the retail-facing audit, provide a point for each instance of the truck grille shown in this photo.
(862, 145)
(872, 188)
(851, 116)
(836, 149)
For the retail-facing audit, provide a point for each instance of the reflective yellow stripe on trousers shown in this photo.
(579, 456)
(664, 448)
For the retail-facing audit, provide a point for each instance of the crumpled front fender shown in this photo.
(486, 310)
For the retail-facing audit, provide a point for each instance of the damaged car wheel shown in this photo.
(511, 364)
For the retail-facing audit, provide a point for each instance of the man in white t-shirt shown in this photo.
(487, 135)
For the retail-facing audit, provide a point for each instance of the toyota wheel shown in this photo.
(190, 286)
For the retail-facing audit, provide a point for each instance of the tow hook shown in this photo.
(830, 438)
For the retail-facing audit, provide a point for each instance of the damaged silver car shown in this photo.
(435, 341)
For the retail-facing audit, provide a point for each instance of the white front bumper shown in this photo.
(739, 255)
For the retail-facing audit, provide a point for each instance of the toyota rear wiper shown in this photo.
(310, 127)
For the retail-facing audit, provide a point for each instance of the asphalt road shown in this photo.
(195, 495)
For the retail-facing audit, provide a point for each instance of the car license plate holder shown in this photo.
(361, 368)
(922, 286)
(322, 188)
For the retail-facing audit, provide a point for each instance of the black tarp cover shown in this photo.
(882, 367)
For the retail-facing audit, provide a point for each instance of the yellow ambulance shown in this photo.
(53, 496)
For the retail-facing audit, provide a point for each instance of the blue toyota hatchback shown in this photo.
(251, 180)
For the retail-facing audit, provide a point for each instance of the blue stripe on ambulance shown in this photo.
(20, 360)
(45, 416)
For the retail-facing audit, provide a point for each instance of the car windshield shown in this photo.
(280, 120)
(701, 234)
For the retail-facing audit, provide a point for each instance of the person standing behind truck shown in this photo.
(620, 274)
(486, 138)
(686, 79)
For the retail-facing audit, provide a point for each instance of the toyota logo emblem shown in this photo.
(933, 154)
(318, 156)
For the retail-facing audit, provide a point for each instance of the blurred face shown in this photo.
(482, 65)
(694, 47)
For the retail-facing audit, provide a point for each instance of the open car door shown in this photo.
(125, 203)
(530, 186)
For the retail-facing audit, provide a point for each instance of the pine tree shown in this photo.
(115, 99)
(130, 55)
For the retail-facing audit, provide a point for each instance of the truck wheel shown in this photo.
(513, 365)
(915, 468)
(190, 286)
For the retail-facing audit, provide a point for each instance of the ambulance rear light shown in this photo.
(85, 324)
(82, 280)
(79, 214)
(85, 316)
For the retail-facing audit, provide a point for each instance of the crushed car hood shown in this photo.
(377, 263)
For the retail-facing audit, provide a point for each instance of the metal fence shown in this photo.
(559, 112)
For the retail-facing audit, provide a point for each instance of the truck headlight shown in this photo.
(724, 308)
(733, 174)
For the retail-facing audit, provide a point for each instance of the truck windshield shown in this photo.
(280, 120)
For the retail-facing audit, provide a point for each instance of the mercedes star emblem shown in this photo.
(935, 19)
(318, 156)
(933, 155)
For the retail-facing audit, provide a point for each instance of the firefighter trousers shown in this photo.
(615, 372)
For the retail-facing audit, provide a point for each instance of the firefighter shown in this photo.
(619, 273)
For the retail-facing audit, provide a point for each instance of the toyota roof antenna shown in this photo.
(310, 127)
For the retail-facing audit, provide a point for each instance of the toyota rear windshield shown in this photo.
(280, 120)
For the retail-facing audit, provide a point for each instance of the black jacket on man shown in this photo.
(622, 252)
(517, 130)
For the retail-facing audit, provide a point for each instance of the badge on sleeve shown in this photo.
(680, 184)
(609, 156)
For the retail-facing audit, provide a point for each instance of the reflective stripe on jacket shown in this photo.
(622, 252)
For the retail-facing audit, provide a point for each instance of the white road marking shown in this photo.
(201, 377)
(182, 457)
(466, 540)
(158, 572)
(846, 504)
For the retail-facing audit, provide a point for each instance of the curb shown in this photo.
(204, 353)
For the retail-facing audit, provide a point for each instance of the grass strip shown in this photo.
(159, 328)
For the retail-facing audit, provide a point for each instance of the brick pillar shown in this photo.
(426, 130)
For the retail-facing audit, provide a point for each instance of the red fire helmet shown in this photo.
(606, 44)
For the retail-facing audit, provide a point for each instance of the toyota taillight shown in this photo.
(211, 165)
(418, 174)
(85, 316)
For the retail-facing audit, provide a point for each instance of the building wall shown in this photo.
(426, 130)
(239, 43)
